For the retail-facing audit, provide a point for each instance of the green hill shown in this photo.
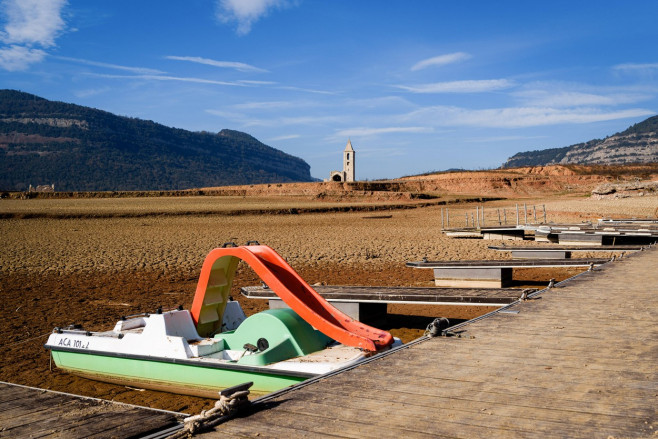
(637, 144)
(78, 148)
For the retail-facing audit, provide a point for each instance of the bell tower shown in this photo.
(348, 162)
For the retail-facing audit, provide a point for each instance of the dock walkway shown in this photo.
(30, 412)
(569, 248)
(403, 295)
(561, 251)
(369, 304)
(493, 273)
(507, 263)
(578, 360)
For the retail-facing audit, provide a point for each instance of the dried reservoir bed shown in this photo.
(89, 261)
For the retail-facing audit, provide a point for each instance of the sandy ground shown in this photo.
(58, 271)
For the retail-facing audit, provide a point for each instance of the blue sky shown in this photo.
(416, 85)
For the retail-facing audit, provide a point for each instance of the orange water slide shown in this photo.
(215, 284)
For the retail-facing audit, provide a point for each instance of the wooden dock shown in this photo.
(597, 235)
(507, 263)
(403, 295)
(30, 412)
(565, 234)
(493, 273)
(578, 360)
(369, 304)
(614, 221)
(561, 251)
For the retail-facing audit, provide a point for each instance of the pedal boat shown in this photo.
(214, 346)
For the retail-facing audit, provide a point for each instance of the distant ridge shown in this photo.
(637, 144)
(78, 148)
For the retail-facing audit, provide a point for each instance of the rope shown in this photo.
(225, 406)
(437, 327)
(28, 339)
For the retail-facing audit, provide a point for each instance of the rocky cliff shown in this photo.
(637, 144)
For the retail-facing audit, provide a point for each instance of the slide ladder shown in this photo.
(215, 284)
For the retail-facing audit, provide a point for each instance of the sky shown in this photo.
(416, 85)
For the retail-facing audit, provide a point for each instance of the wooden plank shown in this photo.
(409, 295)
(540, 254)
(23, 399)
(506, 263)
(30, 412)
(446, 388)
(572, 248)
(455, 415)
(415, 405)
(304, 424)
(588, 228)
(129, 423)
(31, 418)
(49, 421)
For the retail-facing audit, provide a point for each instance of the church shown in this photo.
(347, 174)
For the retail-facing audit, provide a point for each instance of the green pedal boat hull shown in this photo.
(177, 376)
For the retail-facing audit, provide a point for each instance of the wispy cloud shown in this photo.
(308, 120)
(562, 99)
(380, 153)
(288, 137)
(247, 121)
(366, 131)
(378, 103)
(639, 70)
(268, 105)
(169, 78)
(517, 117)
(249, 82)
(246, 12)
(441, 60)
(469, 86)
(241, 67)
(32, 21)
(564, 95)
(91, 92)
(15, 58)
(140, 70)
(306, 90)
(637, 67)
(30, 27)
(501, 139)
(228, 115)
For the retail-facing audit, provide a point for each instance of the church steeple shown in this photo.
(348, 162)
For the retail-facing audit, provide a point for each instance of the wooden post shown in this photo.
(534, 209)
(499, 223)
(525, 214)
(505, 215)
(466, 219)
(482, 216)
(544, 213)
(477, 215)
(442, 227)
(447, 217)
(517, 214)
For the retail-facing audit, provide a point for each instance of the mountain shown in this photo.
(79, 148)
(637, 144)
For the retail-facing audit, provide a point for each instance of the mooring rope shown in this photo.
(28, 339)
(437, 327)
(225, 406)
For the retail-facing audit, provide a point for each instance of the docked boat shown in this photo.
(214, 345)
